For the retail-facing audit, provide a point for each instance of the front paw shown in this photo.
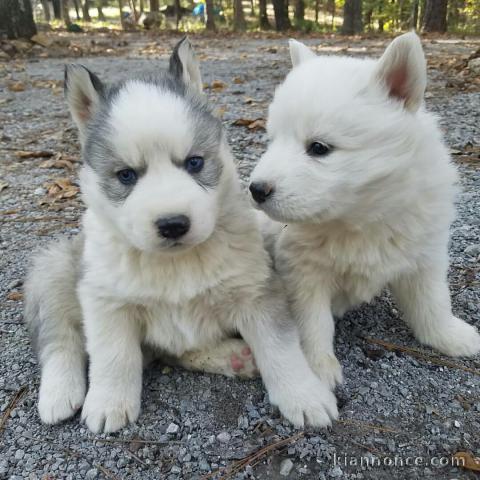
(327, 367)
(108, 411)
(305, 401)
(455, 338)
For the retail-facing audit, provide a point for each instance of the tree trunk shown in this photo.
(252, 8)
(86, 11)
(101, 15)
(16, 19)
(299, 10)
(435, 18)
(177, 12)
(317, 10)
(154, 5)
(210, 14)
(77, 9)
(414, 15)
(57, 9)
(352, 17)
(238, 16)
(282, 22)
(66, 12)
(262, 11)
(142, 6)
(46, 10)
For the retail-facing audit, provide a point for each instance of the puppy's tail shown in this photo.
(53, 316)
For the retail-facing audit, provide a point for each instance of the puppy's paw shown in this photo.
(108, 411)
(242, 363)
(327, 367)
(455, 338)
(307, 401)
(60, 395)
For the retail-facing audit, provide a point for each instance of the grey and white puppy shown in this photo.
(171, 257)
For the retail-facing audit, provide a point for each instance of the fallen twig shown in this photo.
(252, 459)
(11, 405)
(421, 355)
(105, 471)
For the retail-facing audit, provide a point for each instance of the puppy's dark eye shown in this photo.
(317, 149)
(194, 164)
(127, 176)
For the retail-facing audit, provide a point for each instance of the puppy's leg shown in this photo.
(231, 357)
(425, 300)
(113, 343)
(53, 315)
(317, 328)
(301, 396)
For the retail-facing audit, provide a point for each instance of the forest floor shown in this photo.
(400, 403)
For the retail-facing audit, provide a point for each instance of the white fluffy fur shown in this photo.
(186, 302)
(375, 211)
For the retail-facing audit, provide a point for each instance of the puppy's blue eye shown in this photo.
(127, 176)
(317, 149)
(194, 164)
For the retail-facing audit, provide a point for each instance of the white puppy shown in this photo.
(171, 257)
(358, 171)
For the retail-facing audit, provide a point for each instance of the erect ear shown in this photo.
(184, 65)
(84, 92)
(299, 52)
(402, 71)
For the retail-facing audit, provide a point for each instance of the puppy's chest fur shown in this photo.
(185, 301)
(351, 266)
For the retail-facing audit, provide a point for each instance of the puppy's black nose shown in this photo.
(260, 191)
(173, 227)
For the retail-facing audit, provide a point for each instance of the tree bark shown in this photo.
(282, 22)
(46, 10)
(299, 10)
(66, 12)
(77, 9)
(16, 19)
(238, 16)
(154, 5)
(177, 12)
(86, 11)
(263, 17)
(101, 15)
(414, 15)
(435, 18)
(57, 9)
(352, 17)
(210, 15)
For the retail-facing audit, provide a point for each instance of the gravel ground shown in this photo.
(392, 404)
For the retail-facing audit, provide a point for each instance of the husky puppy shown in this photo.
(171, 257)
(358, 171)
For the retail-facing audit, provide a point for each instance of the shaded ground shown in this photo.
(393, 403)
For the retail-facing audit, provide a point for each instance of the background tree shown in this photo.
(100, 5)
(154, 5)
(66, 12)
(86, 11)
(210, 14)
(16, 19)
(352, 17)
(282, 21)
(435, 18)
(299, 14)
(239, 24)
(263, 16)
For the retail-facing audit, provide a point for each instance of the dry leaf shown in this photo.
(468, 461)
(57, 162)
(16, 87)
(251, 124)
(41, 39)
(32, 154)
(220, 111)
(15, 296)
(217, 85)
(3, 186)
(61, 188)
(238, 80)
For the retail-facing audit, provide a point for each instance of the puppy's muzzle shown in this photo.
(173, 227)
(260, 191)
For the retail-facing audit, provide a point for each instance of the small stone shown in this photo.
(176, 469)
(19, 454)
(286, 467)
(173, 428)
(335, 472)
(473, 250)
(223, 437)
(39, 191)
(456, 423)
(474, 65)
(91, 474)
